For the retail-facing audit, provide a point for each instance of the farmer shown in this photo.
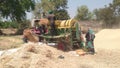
(51, 18)
(90, 40)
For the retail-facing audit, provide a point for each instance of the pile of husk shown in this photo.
(37, 56)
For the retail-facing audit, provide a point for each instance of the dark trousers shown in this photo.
(53, 30)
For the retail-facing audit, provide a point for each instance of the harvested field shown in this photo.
(7, 42)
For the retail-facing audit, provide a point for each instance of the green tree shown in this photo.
(53, 4)
(97, 14)
(16, 9)
(109, 14)
(61, 14)
(57, 6)
(116, 7)
(83, 13)
(38, 10)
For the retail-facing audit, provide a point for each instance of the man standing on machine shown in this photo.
(51, 18)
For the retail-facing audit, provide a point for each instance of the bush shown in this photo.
(8, 25)
(19, 26)
(23, 25)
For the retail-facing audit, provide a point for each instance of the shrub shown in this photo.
(8, 25)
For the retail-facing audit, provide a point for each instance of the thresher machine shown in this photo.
(68, 33)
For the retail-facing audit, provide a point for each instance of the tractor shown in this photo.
(68, 37)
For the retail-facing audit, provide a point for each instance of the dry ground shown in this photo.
(7, 42)
(107, 46)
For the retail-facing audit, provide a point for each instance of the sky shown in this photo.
(74, 4)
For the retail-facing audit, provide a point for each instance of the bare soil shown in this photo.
(8, 42)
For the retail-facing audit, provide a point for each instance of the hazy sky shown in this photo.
(91, 4)
(73, 4)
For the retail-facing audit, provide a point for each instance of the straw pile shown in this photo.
(37, 56)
